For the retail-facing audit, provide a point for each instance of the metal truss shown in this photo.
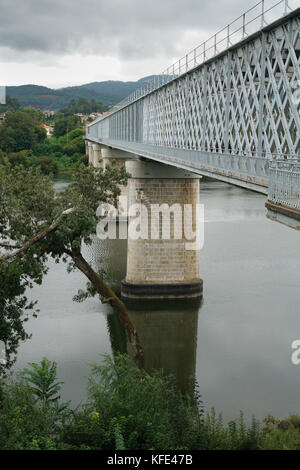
(229, 116)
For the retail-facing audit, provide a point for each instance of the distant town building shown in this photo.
(48, 129)
(48, 114)
(85, 117)
(96, 115)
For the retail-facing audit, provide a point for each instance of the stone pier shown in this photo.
(158, 266)
(94, 154)
(119, 157)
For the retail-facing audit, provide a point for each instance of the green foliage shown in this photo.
(35, 115)
(83, 106)
(12, 104)
(30, 418)
(127, 409)
(109, 92)
(233, 436)
(42, 382)
(141, 411)
(21, 131)
(24, 157)
(26, 198)
(281, 435)
(29, 206)
(24, 142)
(47, 165)
(64, 124)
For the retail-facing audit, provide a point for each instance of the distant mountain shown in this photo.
(109, 93)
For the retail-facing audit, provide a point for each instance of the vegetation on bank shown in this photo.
(127, 409)
(23, 141)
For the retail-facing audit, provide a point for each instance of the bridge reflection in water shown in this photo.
(167, 329)
(168, 333)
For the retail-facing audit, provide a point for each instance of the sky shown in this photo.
(60, 43)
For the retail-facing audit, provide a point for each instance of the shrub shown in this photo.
(144, 411)
(28, 422)
(128, 409)
(48, 165)
(281, 435)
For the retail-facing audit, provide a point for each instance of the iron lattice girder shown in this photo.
(243, 102)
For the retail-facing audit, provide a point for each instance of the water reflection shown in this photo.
(109, 258)
(167, 329)
(168, 333)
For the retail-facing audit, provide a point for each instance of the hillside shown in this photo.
(109, 92)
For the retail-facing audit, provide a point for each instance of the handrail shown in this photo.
(194, 58)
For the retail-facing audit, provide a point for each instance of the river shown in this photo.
(237, 341)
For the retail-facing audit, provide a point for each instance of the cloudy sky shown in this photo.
(65, 42)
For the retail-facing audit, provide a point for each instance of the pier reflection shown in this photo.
(168, 333)
(167, 328)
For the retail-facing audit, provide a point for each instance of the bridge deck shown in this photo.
(227, 118)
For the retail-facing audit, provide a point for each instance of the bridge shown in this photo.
(229, 109)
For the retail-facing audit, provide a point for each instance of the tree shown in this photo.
(21, 131)
(24, 157)
(47, 165)
(81, 105)
(66, 124)
(12, 104)
(35, 224)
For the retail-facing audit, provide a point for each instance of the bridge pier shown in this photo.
(119, 157)
(161, 264)
(94, 154)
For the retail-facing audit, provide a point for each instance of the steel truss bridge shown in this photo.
(230, 109)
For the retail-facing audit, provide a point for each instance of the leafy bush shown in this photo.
(47, 165)
(127, 409)
(281, 435)
(30, 419)
(233, 436)
(148, 411)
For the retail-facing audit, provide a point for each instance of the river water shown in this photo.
(237, 341)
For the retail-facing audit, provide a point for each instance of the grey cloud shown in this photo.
(127, 29)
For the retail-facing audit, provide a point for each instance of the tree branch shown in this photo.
(40, 235)
(8, 246)
(115, 302)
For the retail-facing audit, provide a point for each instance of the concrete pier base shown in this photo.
(161, 266)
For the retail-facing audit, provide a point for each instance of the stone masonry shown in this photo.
(154, 261)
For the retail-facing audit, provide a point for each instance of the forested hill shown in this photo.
(109, 92)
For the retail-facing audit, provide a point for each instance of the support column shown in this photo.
(96, 159)
(158, 266)
(90, 153)
(119, 157)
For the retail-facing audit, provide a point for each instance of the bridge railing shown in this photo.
(251, 21)
(230, 116)
(284, 183)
